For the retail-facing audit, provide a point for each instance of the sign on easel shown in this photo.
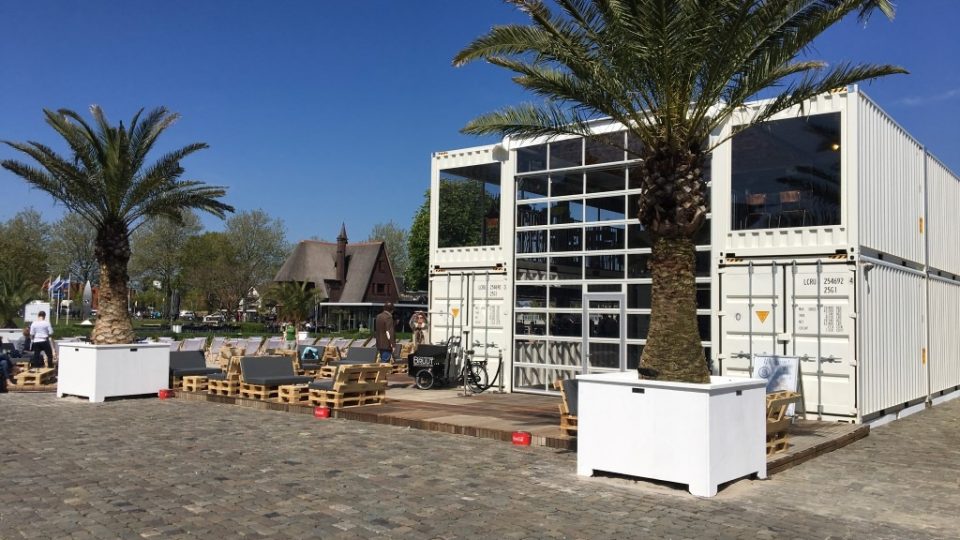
(31, 310)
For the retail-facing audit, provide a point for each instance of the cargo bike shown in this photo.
(445, 365)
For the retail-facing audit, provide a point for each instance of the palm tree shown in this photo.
(672, 72)
(15, 291)
(108, 182)
(295, 300)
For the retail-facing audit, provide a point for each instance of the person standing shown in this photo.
(386, 332)
(40, 334)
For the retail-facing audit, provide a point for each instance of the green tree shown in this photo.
(672, 72)
(418, 248)
(295, 300)
(15, 291)
(25, 245)
(208, 257)
(107, 181)
(157, 250)
(257, 248)
(72, 249)
(395, 239)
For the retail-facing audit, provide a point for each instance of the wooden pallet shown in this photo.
(568, 422)
(354, 385)
(259, 391)
(337, 400)
(778, 423)
(400, 367)
(293, 393)
(36, 377)
(195, 383)
(228, 388)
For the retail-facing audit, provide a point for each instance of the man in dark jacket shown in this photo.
(386, 333)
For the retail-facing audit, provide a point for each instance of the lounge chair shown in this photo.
(351, 386)
(310, 365)
(261, 376)
(193, 344)
(253, 345)
(188, 363)
(272, 344)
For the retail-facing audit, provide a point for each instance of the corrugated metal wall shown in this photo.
(891, 338)
(944, 354)
(943, 216)
(890, 185)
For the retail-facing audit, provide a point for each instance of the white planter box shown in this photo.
(701, 435)
(101, 371)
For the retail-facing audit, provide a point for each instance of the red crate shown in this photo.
(521, 438)
(321, 412)
(165, 393)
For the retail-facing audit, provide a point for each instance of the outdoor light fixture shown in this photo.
(835, 146)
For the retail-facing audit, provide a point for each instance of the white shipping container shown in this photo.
(943, 217)
(944, 350)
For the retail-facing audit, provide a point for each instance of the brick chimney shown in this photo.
(342, 255)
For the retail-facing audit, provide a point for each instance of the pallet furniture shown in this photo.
(195, 383)
(226, 383)
(568, 406)
(35, 376)
(187, 363)
(261, 376)
(293, 393)
(354, 356)
(351, 386)
(398, 360)
(309, 366)
(778, 423)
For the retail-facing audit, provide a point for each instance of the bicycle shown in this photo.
(434, 371)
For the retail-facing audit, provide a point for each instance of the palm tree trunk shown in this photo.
(673, 351)
(113, 252)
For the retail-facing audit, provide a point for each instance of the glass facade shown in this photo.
(577, 238)
(469, 206)
(786, 173)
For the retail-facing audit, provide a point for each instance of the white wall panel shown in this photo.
(944, 353)
(943, 216)
(890, 185)
(891, 338)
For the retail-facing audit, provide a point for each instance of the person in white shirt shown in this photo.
(40, 334)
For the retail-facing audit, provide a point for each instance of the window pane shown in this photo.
(531, 324)
(566, 296)
(531, 296)
(531, 352)
(786, 173)
(604, 287)
(638, 237)
(605, 325)
(634, 146)
(703, 263)
(703, 235)
(634, 177)
(604, 208)
(606, 237)
(566, 353)
(566, 267)
(531, 187)
(566, 239)
(565, 324)
(633, 356)
(638, 296)
(703, 323)
(605, 355)
(566, 212)
(529, 215)
(703, 296)
(469, 206)
(532, 268)
(638, 326)
(532, 158)
(531, 241)
(638, 265)
(604, 267)
(567, 153)
(566, 184)
(608, 180)
(605, 148)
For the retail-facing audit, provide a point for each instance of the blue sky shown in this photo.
(322, 112)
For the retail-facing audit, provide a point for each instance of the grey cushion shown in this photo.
(361, 355)
(258, 367)
(277, 381)
(217, 377)
(187, 360)
(322, 385)
(570, 388)
(185, 372)
(307, 364)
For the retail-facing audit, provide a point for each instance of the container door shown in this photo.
(604, 332)
(821, 333)
(752, 316)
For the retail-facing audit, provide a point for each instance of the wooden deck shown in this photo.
(498, 416)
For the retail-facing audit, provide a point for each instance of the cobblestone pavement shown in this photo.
(151, 468)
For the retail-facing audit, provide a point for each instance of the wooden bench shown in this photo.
(195, 383)
(293, 393)
(355, 356)
(568, 405)
(778, 423)
(188, 363)
(261, 376)
(351, 386)
(309, 366)
(35, 376)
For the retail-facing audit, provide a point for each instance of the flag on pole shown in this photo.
(56, 285)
